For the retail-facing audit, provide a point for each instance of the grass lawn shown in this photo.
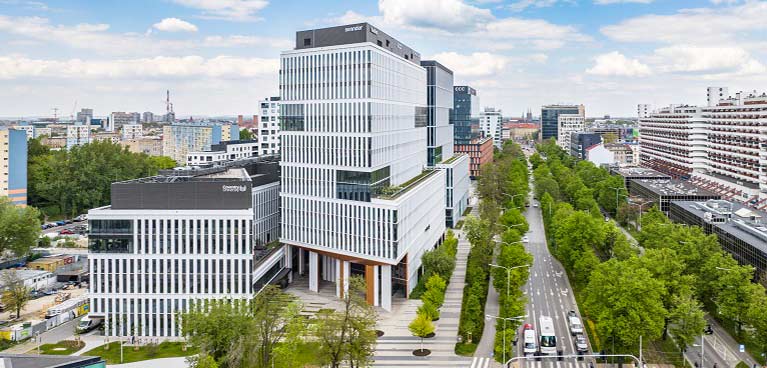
(65, 347)
(163, 350)
(307, 355)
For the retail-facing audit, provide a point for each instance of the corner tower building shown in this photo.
(356, 196)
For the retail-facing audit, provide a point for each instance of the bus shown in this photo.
(548, 337)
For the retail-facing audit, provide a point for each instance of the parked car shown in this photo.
(61, 223)
(66, 232)
(525, 239)
(88, 324)
(83, 217)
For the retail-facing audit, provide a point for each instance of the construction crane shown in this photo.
(55, 114)
(72, 114)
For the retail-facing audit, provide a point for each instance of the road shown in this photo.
(66, 331)
(549, 294)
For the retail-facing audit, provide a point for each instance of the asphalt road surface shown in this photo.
(549, 294)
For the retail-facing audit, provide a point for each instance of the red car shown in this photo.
(66, 232)
(527, 326)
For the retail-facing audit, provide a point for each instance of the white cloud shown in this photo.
(241, 40)
(143, 68)
(707, 60)
(447, 15)
(521, 5)
(616, 64)
(478, 64)
(174, 25)
(695, 26)
(235, 10)
(539, 58)
(608, 2)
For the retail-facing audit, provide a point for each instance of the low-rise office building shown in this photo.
(580, 141)
(33, 279)
(630, 173)
(183, 237)
(663, 192)
(457, 183)
(741, 231)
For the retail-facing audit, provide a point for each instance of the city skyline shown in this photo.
(221, 58)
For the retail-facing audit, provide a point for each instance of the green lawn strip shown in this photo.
(466, 349)
(65, 347)
(163, 350)
(744, 338)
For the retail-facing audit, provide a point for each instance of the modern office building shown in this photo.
(465, 115)
(741, 231)
(550, 118)
(439, 140)
(663, 191)
(132, 131)
(118, 119)
(580, 141)
(78, 134)
(356, 197)
(183, 237)
(439, 131)
(50, 361)
(491, 124)
(268, 126)
(181, 138)
(457, 183)
(84, 116)
(719, 146)
(636, 173)
(13, 170)
(480, 152)
(224, 151)
(568, 124)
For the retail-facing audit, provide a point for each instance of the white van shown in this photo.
(531, 346)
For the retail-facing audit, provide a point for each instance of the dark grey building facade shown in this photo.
(465, 114)
(580, 141)
(741, 231)
(439, 130)
(550, 117)
(354, 33)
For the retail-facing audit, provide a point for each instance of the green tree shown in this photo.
(625, 301)
(429, 309)
(513, 217)
(609, 137)
(162, 162)
(421, 327)
(202, 361)
(246, 134)
(576, 232)
(687, 319)
(334, 330)
(477, 231)
(757, 318)
(737, 293)
(19, 228)
(437, 262)
(16, 293)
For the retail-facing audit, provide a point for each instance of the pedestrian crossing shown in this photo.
(479, 362)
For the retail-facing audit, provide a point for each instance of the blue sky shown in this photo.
(219, 57)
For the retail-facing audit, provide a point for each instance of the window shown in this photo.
(387, 43)
(307, 41)
(379, 43)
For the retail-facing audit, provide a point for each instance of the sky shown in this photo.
(220, 57)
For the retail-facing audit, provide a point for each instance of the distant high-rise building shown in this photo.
(84, 116)
(491, 124)
(268, 126)
(182, 138)
(550, 118)
(13, 170)
(147, 117)
(29, 130)
(118, 119)
(465, 115)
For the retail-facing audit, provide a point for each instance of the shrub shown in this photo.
(429, 310)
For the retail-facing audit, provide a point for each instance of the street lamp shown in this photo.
(617, 191)
(702, 350)
(512, 243)
(511, 197)
(504, 328)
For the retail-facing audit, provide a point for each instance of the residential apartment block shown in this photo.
(268, 127)
(181, 138)
(491, 124)
(719, 146)
(78, 135)
(566, 125)
(13, 165)
(480, 153)
(132, 131)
